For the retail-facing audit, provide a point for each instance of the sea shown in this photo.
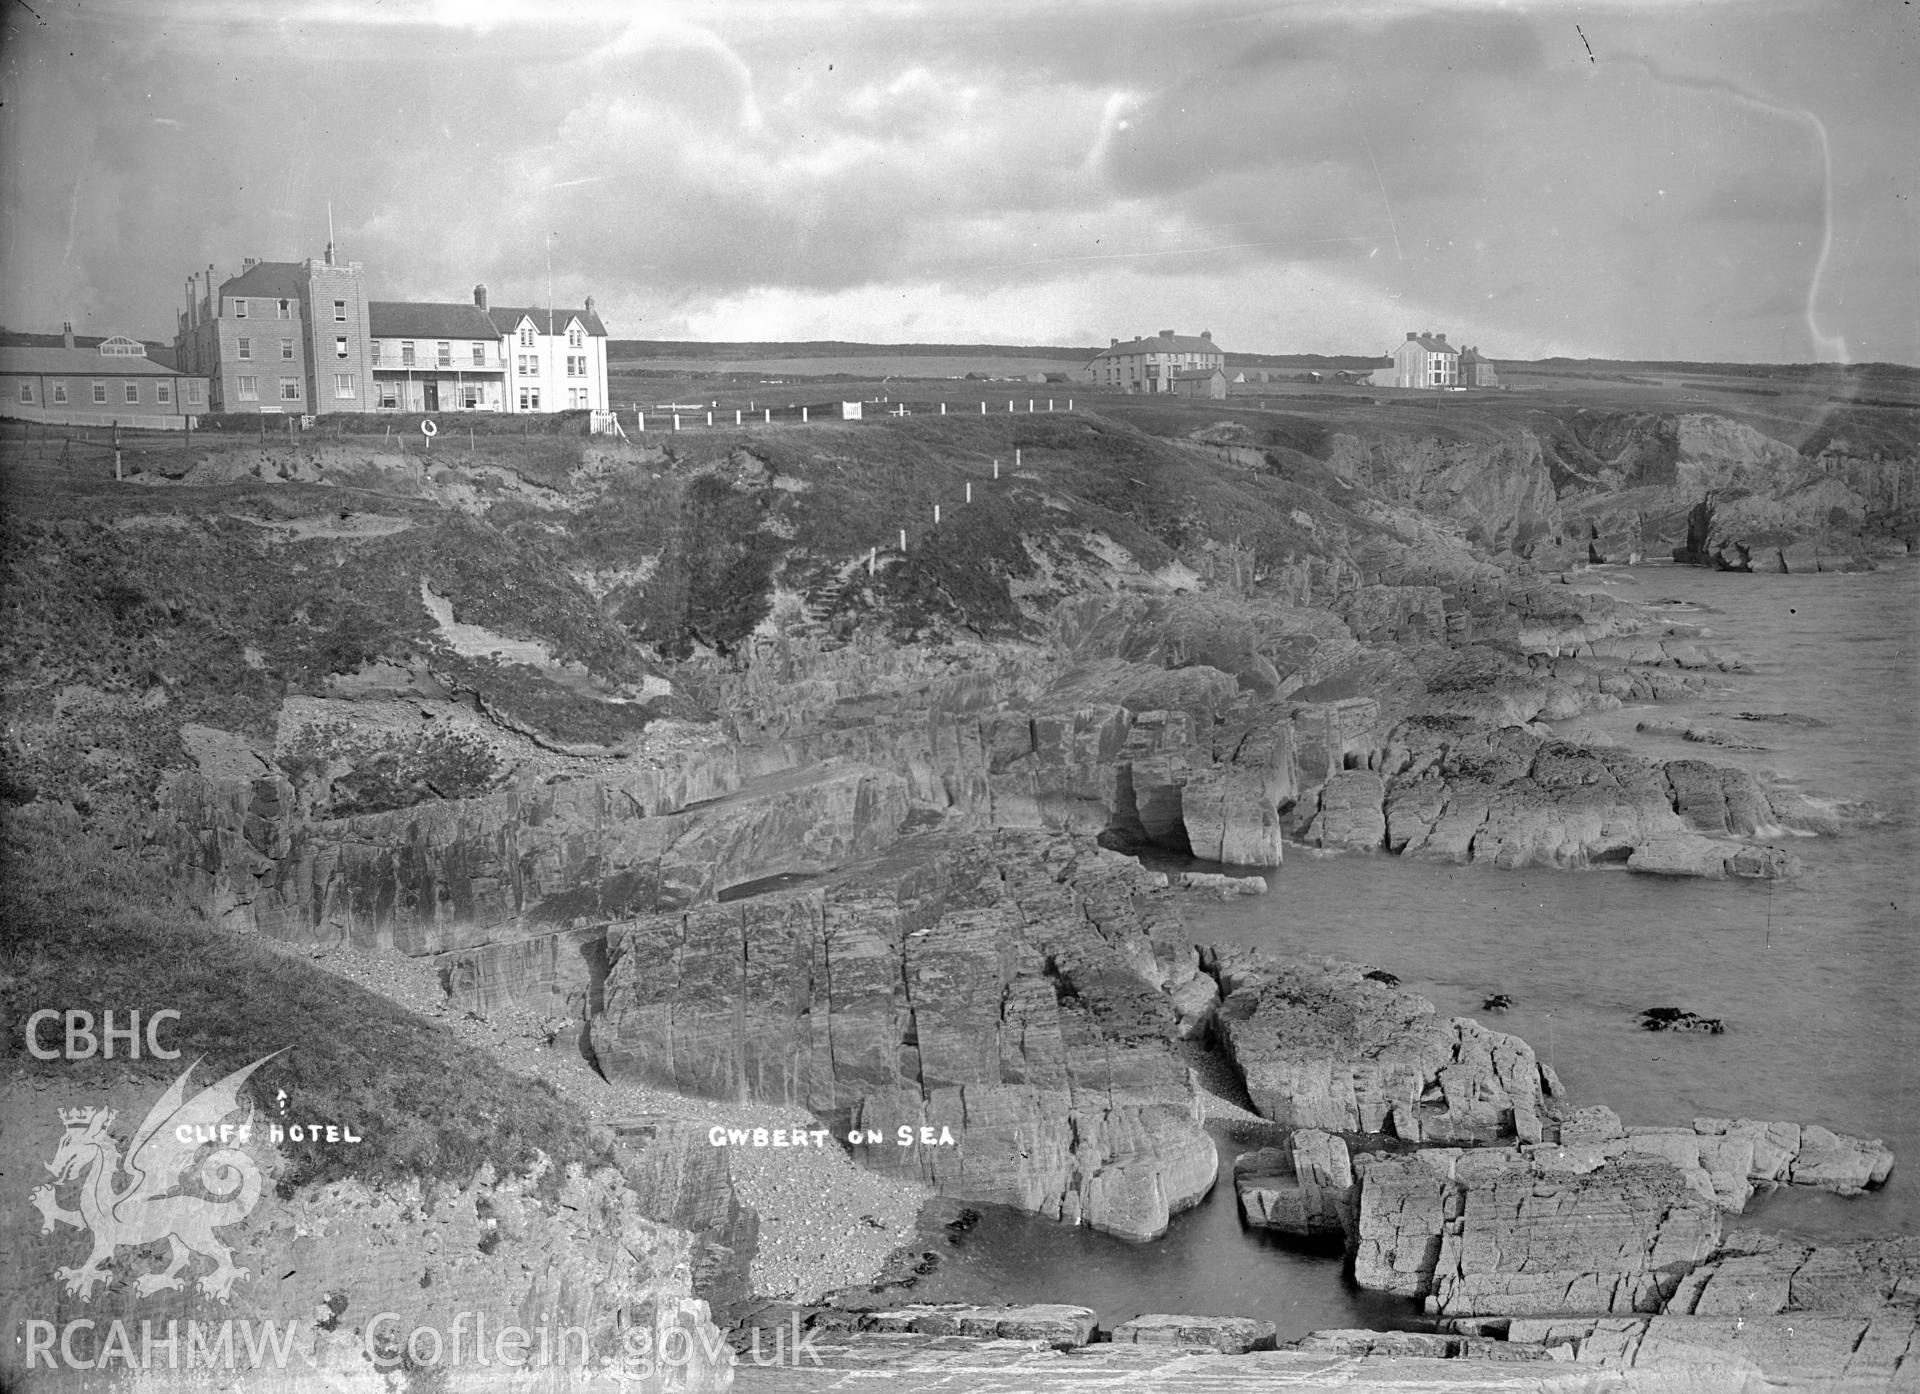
(1816, 978)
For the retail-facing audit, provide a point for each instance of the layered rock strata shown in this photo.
(1304, 1188)
(1529, 1230)
(999, 999)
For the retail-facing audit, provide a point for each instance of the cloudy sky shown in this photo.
(1731, 179)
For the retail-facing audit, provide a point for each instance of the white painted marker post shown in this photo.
(943, 408)
(936, 515)
(983, 406)
(676, 421)
(769, 414)
(996, 469)
(873, 557)
(969, 491)
(803, 416)
(736, 417)
(709, 418)
(903, 542)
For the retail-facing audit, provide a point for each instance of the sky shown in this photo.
(1717, 179)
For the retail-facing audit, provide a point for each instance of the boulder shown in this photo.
(1350, 813)
(1325, 1046)
(1304, 1188)
(1057, 1324)
(1222, 1335)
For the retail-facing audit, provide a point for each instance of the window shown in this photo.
(389, 394)
(26, 390)
(576, 365)
(100, 394)
(443, 354)
(530, 365)
(285, 309)
(239, 309)
(163, 393)
(376, 353)
(469, 395)
(526, 336)
(575, 338)
(248, 389)
(289, 389)
(343, 385)
(406, 353)
(479, 355)
(133, 393)
(529, 399)
(286, 350)
(193, 393)
(340, 346)
(59, 392)
(246, 348)
(339, 312)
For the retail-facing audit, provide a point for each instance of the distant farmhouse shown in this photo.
(1428, 360)
(302, 337)
(1155, 365)
(96, 384)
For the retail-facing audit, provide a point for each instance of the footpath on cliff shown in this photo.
(717, 785)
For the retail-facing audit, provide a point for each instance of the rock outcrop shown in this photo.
(1325, 1046)
(1304, 1188)
(1001, 999)
(1529, 1230)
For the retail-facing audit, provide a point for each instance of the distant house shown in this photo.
(1424, 360)
(432, 357)
(1151, 365)
(1201, 382)
(111, 381)
(1476, 371)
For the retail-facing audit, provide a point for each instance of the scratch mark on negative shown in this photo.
(1589, 47)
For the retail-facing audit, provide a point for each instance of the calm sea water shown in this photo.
(1816, 978)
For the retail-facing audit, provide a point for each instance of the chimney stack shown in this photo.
(1113, 343)
(1207, 334)
(66, 334)
(1166, 333)
(589, 304)
(1411, 336)
(480, 296)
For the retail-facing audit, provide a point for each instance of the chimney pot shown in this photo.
(66, 334)
(1166, 333)
(480, 295)
(1207, 334)
(1113, 343)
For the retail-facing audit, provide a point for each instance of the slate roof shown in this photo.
(270, 279)
(1432, 343)
(406, 319)
(80, 363)
(1197, 374)
(508, 317)
(1160, 343)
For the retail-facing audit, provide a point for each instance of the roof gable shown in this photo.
(510, 318)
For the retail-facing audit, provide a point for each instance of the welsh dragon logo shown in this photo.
(148, 1207)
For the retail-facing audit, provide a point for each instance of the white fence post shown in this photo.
(1049, 404)
(969, 491)
(1009, 404)
(996, 469)
(769, 411)
(709, 418)
(903, 542)
(1029, 404)
(803, 416)
(936, 515)
(983, 406)
(873, 556)
(676, 421)
(943, 408)
(1016, 458)
(736, 416)
(639, 422)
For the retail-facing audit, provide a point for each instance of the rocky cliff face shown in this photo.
(998, 999)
